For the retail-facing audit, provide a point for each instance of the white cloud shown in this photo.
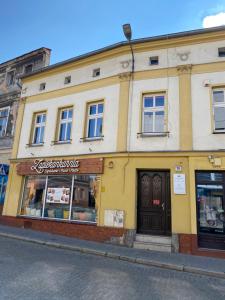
(214, 20)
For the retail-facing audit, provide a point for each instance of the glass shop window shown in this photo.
(57, 204)
(84, 195)
(33, 196)
(210, 202)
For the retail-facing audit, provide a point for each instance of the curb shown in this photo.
(141, 261)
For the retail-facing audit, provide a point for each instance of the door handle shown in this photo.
(163, 206)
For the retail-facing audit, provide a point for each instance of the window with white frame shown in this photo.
(153, 114)
(219, 109)
(39, 128)
(65, 124)
(95, 120)
(4, 116)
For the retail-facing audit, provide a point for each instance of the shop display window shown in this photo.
(33, 196)
(50, 197)
(84, 195)
(210, 202)
(58, 194)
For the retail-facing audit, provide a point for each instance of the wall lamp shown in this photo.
(128, 34)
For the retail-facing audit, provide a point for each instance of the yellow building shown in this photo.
(106, 153)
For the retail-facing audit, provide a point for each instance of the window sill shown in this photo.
(34, 145)
(152, 134)
(219, 132)
(61, 142)
(92, 139)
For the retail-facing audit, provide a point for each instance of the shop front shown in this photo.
(4, 171)
(116, 198)
(63, 190)
(210, 197)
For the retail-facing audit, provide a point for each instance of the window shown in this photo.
(210, 195)
(67, 80)
(221, 52)
(219, 110)
(39, 128)
(58, 197)
(153, 114)
(96, 72)
(51, 197)
(42, 86)
(65, 124)
(154, 60)
(84, 195)
(33, 196)
(95, 120)
(28, 69)
(4, 115)
(10, 78)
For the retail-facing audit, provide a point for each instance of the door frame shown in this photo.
(167, 233)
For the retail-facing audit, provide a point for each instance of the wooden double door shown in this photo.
(154, 204)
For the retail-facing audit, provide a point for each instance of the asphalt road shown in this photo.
(31, 271)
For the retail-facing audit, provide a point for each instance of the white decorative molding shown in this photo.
(184, 55)
(125, 63)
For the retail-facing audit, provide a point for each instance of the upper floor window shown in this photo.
(4, 115)
(95, 120)
(42, 86)
(153, 113)
(39, 128)
(28, 69)
(96, 72)
(221, 52)
(65, 124)
(153, 60)
(219, 109)
(67, 80)
(10, 78)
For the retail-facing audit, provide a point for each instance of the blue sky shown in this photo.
(72, 27)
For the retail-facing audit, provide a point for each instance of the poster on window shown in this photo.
(58, 195)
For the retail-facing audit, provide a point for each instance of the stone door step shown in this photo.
(154, 243)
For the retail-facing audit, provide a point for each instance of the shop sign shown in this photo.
(60, 167)
(54, 166)
(4, 169)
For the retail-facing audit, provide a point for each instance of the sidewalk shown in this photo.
(173, 261)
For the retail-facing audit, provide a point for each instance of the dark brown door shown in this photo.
(154, 208)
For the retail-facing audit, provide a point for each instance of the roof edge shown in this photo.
(123, 43)
(23, 56)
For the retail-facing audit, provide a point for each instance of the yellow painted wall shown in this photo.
(13, 192)
(118, 186)
(119, 189)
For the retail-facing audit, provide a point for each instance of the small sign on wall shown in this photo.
(114, 218)
(179, 184)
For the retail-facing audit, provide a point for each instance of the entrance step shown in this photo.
(154, 243)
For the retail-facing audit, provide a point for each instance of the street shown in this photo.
(30, 271)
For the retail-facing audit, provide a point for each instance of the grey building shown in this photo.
(10, 90)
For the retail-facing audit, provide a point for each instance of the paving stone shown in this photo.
(32, 271)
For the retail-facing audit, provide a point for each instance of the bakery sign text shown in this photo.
(42, 166)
